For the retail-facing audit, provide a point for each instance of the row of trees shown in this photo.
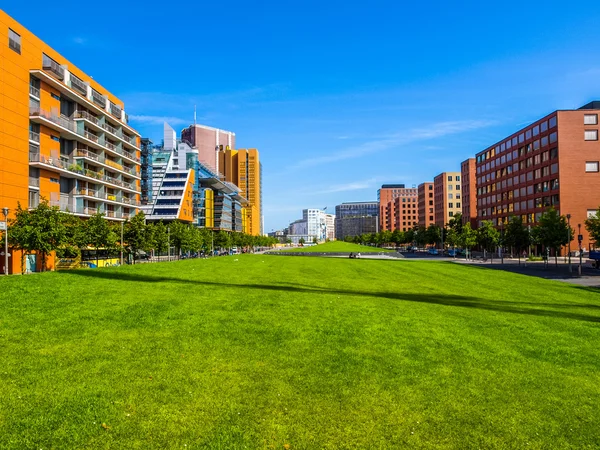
(552, 232)
(46, 229)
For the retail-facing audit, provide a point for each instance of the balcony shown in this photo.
(98, 99)
(52, 67)
(112, 130)
(90, 136)
(87, 116)
(60, 162)
(35, 137)
(34, 91)
(115, 110)
(34, 182)
(79, 85)
(81, 153)
(87, 192)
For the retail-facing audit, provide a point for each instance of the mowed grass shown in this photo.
(267, 352)
(338, 247)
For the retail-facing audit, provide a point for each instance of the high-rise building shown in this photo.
(243, 168)
(208, 141)
(356, 218)
(185, 189)
(63, 136)
(554, 161)
(405, 210)
(425, 194)
(469, 192)
(447, 197)
(385, 197)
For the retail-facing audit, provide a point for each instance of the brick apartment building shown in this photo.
(405, 210)
(552, 162)
(469, 191)
(386, 196)
(426, 206)
(447, 197)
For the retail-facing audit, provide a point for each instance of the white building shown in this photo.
(330, 226)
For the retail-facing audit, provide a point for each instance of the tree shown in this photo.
(315, 240)
(433, 234)
(135, 234)
(467, 238)
(454, 229)
(41, 229)
(75, 236)
(398, 237)
(516, 235)
(488, 237)
(420, 236)
(592, 225)
(301, 241)
(553, 231)
(99, 234)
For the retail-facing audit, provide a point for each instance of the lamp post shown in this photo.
(168, 243)
(121, 242)
(5, 212)
(579, 239)
(569, 238)
(502, 241)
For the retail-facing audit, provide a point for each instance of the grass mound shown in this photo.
(255, 351)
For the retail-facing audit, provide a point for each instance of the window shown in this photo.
(591, 213)
(590, 119)
(450, 196)
(591, 135)
(552, 122)
(449, 187)
(450, 178)
(458, 187)
(553, 137)
(591, 166)
(458, 205)
(457, 196)
(14, 41)
(450, 205)
(458, 178)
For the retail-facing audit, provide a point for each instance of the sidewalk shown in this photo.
(590, 277)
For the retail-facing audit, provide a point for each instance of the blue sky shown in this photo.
(339, 97)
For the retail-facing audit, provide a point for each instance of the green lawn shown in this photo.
(305, 352)
(338, 247)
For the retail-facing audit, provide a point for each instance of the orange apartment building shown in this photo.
(426, 210)
(63, 137)
(555, 161)
(406, 210)
(243, 168)
(386, 196)
(469, 191)
(447, 197)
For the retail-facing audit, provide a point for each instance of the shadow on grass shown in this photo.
(436, 299)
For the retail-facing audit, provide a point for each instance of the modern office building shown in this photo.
(447, 197)
(554, 161)
(356, 218)
(469, 191)
(63, 136)
(208, 141)
(426, 208)
(243, 168)
(405, 210)
(386, 196)
(185, 189)
(330, 227)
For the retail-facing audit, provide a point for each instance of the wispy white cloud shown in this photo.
(158, 120)
(388, 142)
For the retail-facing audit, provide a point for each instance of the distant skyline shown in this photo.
(338, 97)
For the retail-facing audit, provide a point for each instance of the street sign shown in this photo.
(2, 226)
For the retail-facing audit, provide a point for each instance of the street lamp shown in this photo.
(502, 241)
(579, 239)
(569, 242)
(5, 212)
(168, 243)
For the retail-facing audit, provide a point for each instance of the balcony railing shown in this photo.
(90, 136)
(49, 65)
(98, 99)
(79, 85)
(86, 154)
(110, 146)
(35, 182)
(33, 136)
(34, 91)
(60, 162)
(87, 116)
(59, 120)
(110, 163)
(110, 129)
(88, 192)
(115, 110)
